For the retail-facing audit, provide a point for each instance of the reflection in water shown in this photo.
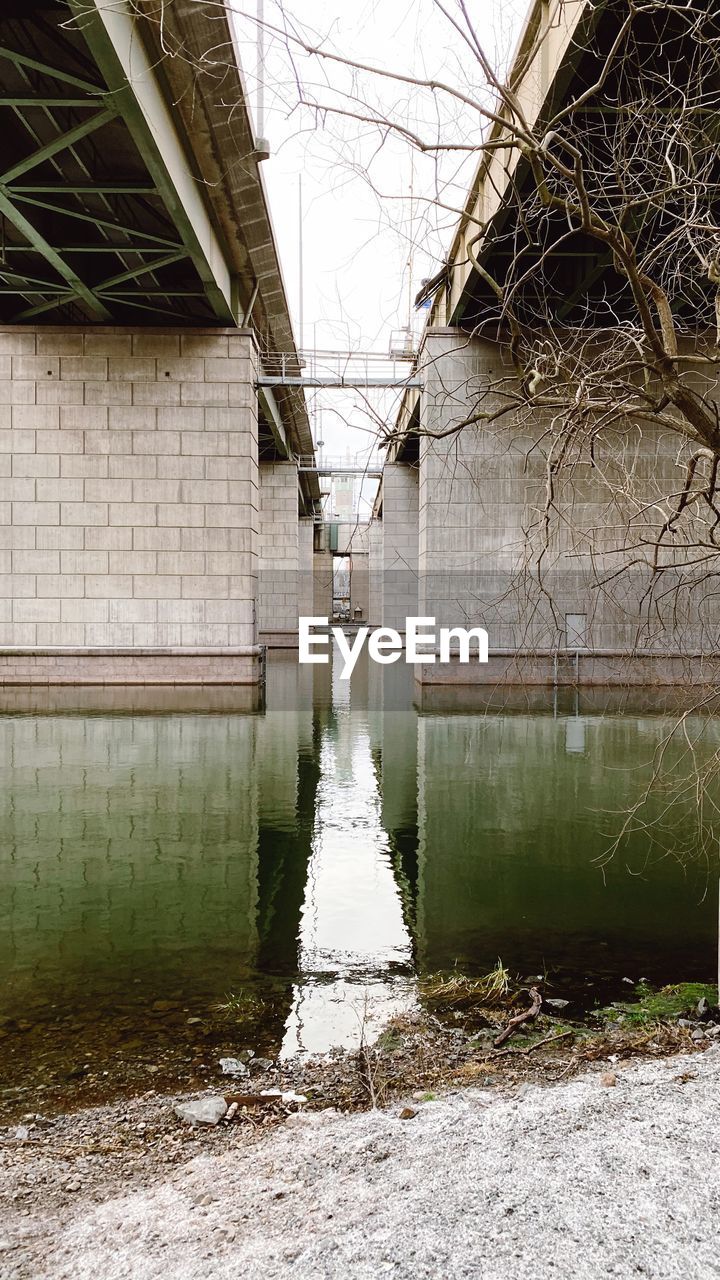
(353, 942)
(298, 864)
(516, 816)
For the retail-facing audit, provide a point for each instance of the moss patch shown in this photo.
(651, 1006)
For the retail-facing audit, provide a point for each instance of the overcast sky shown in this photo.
(366, 242)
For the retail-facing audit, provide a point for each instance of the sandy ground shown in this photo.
(582, 1179)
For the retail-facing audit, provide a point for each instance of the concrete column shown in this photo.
(482, 496)
(279, 554)
(306, 550)
(128, 505)
(400, 544)
(323, 584)
(375, 568)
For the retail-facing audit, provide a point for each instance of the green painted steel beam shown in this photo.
(142, 269)
(106, 288)
(44, 286)
(40, 100)
(60, 143)
(88, 248)
(87, 189)
(21, 60)
(112, 248)
(152, 293)
(133, 232)
(154, 310)
(56, 261)
(111, 31)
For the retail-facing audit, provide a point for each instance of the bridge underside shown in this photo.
(532, 521)
(148, 493)
(101, 220)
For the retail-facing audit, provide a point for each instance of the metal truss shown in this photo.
(57, 185)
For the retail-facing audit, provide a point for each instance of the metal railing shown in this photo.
(323, 465)
(360, 369)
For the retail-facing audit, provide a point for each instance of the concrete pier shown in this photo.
(129, 502)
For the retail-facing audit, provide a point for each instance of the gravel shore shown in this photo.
(610, 1174)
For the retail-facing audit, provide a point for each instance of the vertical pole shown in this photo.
(300, 262)
(261, 69)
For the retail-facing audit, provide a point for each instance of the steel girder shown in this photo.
(40, 199)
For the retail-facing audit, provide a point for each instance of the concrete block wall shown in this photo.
(481, 502)
(93, 869)
(400, 544)
(128, 504)
(306, 550)
(375, 574)
(353, 540)
(278, 564)
(323, 584)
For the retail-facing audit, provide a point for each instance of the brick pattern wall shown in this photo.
(94, 814)
(306, 551)
(128, 488)
(481, 502)
(278, 581)
(400, 544)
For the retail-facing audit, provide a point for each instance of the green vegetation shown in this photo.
(242, 1005)
(651, 1006)
(457, 991)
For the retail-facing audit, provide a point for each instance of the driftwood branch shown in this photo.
(528, 1015)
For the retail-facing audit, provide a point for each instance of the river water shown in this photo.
(181, 884)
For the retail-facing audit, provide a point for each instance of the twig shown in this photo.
(528, 1015)
(538, 1045)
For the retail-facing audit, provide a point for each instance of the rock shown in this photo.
(685, 1022)
(697, 1036)
(261, 1064)
(557, 1004)
(608, 1079)
(202, 1111)
(194, 1022)
(713, 1031)
(407, 1113)
(22, 1133)
(703, 1008)
(73, 1185)
(233, 1067)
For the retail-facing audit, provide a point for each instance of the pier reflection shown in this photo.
(180, 883)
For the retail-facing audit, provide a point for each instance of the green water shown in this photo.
(178, 886)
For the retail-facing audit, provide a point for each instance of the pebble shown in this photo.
(233, 1067)
(608, 1079)
(202, 1111)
